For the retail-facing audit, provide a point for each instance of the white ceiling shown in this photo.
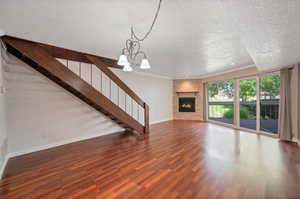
(192, 38)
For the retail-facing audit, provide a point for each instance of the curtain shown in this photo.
(285, 125)
(204, 102)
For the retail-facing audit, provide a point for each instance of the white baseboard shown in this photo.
(48, 146)
(55, 144)
(297, 141)
(3, 166)
(68, 141)
(159, 121)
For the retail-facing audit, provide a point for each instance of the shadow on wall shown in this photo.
(3, 131)
(42, 113)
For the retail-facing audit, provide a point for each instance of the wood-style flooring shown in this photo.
(179, 159)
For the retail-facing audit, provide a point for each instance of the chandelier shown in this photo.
(132, 49)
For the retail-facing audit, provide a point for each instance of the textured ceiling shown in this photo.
(191, 38)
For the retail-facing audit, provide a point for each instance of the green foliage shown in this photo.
(244, 113)
(269, 85)
(222, 87)
(217, 111)
(228, 113)
(247, 89)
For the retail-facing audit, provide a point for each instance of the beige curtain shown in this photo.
(204, 102)
(285, 125)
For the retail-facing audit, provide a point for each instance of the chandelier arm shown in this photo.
(127, 45)
(151, 27)
(124, 50)
(133, 45)
(140, 52)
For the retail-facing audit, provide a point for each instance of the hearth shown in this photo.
(186, 104)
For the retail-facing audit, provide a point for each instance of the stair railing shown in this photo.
(42, 57)
(99, 76)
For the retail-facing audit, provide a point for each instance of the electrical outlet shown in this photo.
(2, 33)
(2, 89)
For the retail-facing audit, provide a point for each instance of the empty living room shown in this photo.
(150, 99)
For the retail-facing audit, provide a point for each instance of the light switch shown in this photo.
(2, 89)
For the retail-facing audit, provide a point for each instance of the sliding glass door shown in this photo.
(247, 103)
(220, 101)
(269, 103)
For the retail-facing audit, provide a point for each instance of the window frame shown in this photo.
(207, 108)
(236, 105)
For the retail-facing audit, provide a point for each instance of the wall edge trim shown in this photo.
(67, 141)
(4, 166)
(159, 121)
(56, 144)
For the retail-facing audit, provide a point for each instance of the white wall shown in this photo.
(295, 88)
(155, 91)
(41, 114)
(3, 133)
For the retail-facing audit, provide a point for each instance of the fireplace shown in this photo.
(186, 104)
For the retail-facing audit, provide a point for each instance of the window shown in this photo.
(256, 105)
(248, 98)
(220, 101)
(269, 102)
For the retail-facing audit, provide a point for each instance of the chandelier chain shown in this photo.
(132, 47)
(151, 27)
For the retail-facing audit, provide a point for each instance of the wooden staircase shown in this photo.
(44, 58)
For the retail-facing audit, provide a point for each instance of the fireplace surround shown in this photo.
(186, 104)
(188, 88)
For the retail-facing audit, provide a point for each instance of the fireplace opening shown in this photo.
(186, 104)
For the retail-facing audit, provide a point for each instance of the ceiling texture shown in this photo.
(191, 39)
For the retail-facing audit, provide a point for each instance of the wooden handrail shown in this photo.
(102, 66)
(40, 57)
(146, 118)
(63, 53)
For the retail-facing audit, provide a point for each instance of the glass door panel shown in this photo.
(247, 91)
(269, 103)
(220, 101)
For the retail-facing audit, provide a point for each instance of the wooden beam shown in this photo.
(73, 55)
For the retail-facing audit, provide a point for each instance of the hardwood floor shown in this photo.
(179, 159)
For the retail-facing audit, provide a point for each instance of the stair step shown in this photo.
(41, 60)
(129, 129)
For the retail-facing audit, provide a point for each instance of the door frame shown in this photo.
(236, 106)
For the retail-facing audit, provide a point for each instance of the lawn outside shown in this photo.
(223, 112)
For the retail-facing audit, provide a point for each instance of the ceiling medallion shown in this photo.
(132, 49)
